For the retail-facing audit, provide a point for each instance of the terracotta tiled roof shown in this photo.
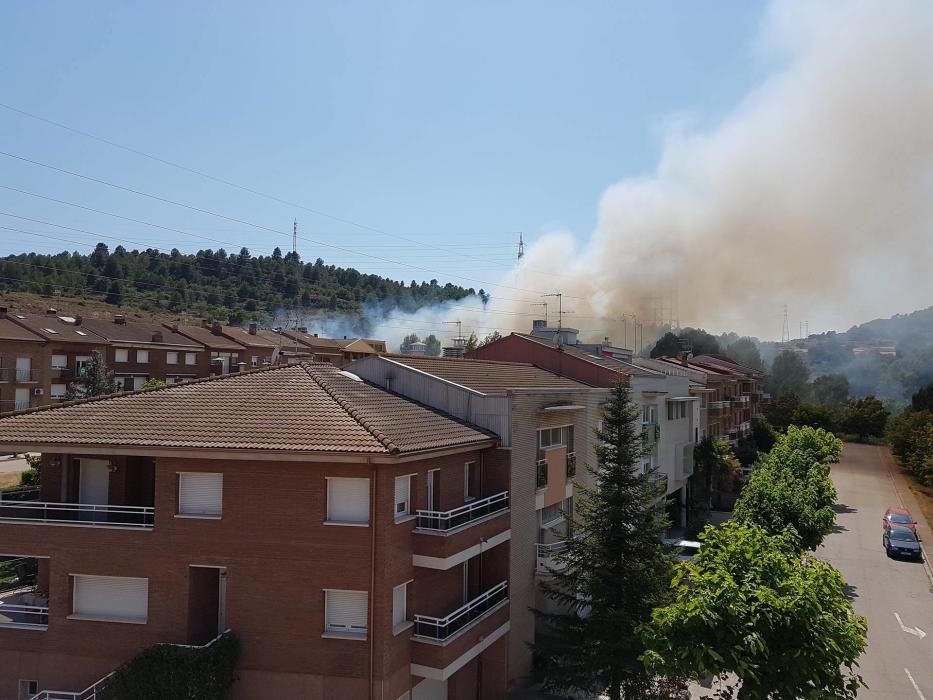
(12, 331)
(136, 332)
(308, 407)
(725, 364)
(54, 328)
(205, 337)
(487, 376)
(608, 362)
(261, 339)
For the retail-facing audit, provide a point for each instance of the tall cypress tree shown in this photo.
(611, 575)
(98, 380)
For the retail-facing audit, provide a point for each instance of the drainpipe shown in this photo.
(372, 577)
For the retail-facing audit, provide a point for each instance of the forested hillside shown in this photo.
(214, 283)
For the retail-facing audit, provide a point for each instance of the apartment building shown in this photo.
(730, 395)
(138, 351)
(358, 543)
(545, 424)
(221, 355)
(22, 365)
(337, 351)
(262, 346)
(670, 413)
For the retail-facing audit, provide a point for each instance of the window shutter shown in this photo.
(121, 355)
(171, 358)
(399, 601)
(112, 597)
(58, 390)
(347, 500)
(347, 611)
(200, 493)
(142, 356)
(59, 361)
(402, 491)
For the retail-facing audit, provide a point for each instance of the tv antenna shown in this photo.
(459, 327)
(560, 307)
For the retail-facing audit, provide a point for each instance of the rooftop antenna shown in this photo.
(560, 308)
(544, 304)
(785, 329)
(295, 236)
(459, 326)
(521, 246)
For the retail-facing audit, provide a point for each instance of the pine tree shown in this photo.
(611, 575)
(98, 380)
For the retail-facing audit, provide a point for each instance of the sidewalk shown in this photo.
(909, 500)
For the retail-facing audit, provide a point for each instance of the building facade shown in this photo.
(357, 543)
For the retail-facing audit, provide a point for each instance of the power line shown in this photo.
(260, 227)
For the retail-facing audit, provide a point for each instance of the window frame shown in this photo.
(344, 631)
(106, 618)
(327, 502)
(193, 357)
(169, 357)
(408, 513)
(179, 513)
(125, 352)
(405, 623)
(140, 354)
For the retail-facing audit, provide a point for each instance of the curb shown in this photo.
(891, 466)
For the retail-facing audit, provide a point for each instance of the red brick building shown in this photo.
(323, 520)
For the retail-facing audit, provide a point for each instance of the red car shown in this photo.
(899, 516)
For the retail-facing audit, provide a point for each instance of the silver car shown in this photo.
(900, 541)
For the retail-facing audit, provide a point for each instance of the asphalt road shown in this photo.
(898, 664)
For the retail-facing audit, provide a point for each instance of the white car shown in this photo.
(685, 550)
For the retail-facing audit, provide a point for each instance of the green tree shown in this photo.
(780, 412)
(115, 293)
(865, 417)
(789, 373)
(714, 469)
(752, 605)
(472, 343)
(923, 399)
(902, 430)
(744, 351)
(668, 345)
(432, 346)
(97, 380)
(490, 338)
(814, 415)
(611, 575)
(153, 383)
(407, 342)
(700, 342)
(831, 389)
(763, 433)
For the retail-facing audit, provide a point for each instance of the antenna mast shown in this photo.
(521, 247)
(785, 330)
(560, 308)
(295, 236)
(544, 304)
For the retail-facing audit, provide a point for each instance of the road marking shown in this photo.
(914, 684)
(916, 631)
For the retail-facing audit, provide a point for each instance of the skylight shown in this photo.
(80, 332)
(49, 330)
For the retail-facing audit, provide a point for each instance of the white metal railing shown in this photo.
(719, 404)
(743, 399)
(443, 521)
(91, 692)
(27, 375)
(86, 514)
(545, 552)
(29, 616)
(442, 628)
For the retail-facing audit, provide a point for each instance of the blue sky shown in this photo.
(459, 124)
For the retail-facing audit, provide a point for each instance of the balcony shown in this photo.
(18, 405)
(541, 474)
(22, 606)
(63, 373)
(546, 556)
(444, 629)
(719, 405)
(19, 507)
(468, 514)
(742, 399)
(26, 376)
(659, 480)
(650, 434)
(571, 464)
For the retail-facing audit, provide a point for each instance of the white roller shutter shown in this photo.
(59, 361)
(402, 496)
(111, 598)
(399, 602)
(347, 500)
(200, 493)
(347, 611)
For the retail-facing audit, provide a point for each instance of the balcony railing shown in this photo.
(650, 434)
(545, 554)
(742, 399)
(444, 521)
(719, 404)
(62, 373)
(24, 616)
(440, 629)
(16, 405)
(571, 464)
(659, 480)
(15, 509)
(27, 375)
(541, 474)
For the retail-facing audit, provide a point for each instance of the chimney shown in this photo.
(120, 320)
(344, 337)
(205, 323)
(217, 329)
(78, 320)
(252, 329)
(315, 335)
(174, 328)
(157, 337)
(684, 356)
(2, 312)
(51, 312)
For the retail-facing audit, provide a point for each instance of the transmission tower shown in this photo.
(785, 329)
(295, 236)
(521, 247)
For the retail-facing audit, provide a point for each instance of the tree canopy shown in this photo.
(744, 351)
(865, 417)
(752, 605)
(789, 373)
(831, 389)
(98, 380)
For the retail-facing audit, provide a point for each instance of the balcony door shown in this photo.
(23, 369)
(207, 593)
(93, 487)
(434, 489)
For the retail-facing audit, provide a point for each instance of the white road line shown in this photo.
(914, 684)
(916, 631)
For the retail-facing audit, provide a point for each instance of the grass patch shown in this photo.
(924, 496)
(8, 481)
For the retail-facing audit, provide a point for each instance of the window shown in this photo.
(58, 391)
(470, 481)
(171, 358)
(649, 414)
(142, 356)
(399, 607)
(347, 501)
(121, 355)
(254, 361)
(111, 598)
(27, 689)
(346, 612)
(676, 410)
(402, 496)
(200, 494)
(550, 515)
(59, 361)
(191, 358)
(138, 382)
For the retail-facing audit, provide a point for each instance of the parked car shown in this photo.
(899, 516)
(684, 550)
(901, 541)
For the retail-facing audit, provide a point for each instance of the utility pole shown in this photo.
(544, 304)
(521, 247)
